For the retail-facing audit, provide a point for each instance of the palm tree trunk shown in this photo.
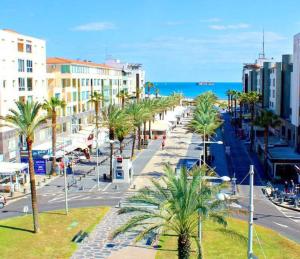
(97, 115)
(32, 187)
(139, 137)
(266, 133)
(123, 102)
(111, 161)
(228, 98)
(241, 115)
(133, 143)
(235, 114)
(183, 246)
(150, 137)
(252, 127)
(121, 146)
(53, 140)
(144, 132)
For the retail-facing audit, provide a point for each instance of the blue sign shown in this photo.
(39, 165)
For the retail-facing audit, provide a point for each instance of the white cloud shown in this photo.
(229, 27)
(95, 26)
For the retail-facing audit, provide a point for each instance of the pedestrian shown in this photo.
(163, 144)
(69, 169)
(286, 187)
(292, 186)
(61, 167)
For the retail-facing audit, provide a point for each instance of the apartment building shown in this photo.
(133, 77)
(279, 87)
(22, 77)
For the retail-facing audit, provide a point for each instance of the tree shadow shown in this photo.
(16, 228)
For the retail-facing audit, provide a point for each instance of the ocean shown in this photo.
(191, 89)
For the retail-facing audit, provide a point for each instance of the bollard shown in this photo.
(79, 178)
(116, 187)
(11, 194)
(25, 191)
(39, 183)
(44, 180)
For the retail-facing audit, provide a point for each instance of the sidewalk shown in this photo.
(98, 244)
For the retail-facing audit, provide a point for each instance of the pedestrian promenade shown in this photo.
(178, 145)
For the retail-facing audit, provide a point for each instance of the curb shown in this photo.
(283, 206)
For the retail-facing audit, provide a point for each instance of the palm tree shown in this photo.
(122, 131)
(156, 92)
(26, 119)
(242, 98)
(51, 107)
(174, 204)
(123, 96)
(252, 98)
(149, 85)
(265, 120)
(113, 118)
(228, 93)
(152, 106)
(96, 98)
(137, 112)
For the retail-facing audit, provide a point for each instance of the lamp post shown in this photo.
(223, 178)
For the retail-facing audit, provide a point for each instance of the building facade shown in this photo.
(22, 78)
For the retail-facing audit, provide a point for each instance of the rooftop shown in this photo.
(58, 60)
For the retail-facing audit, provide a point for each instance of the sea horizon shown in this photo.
(191, 89)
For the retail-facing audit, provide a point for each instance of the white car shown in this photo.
(2, 201)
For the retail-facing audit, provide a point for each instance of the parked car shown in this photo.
(2, 201)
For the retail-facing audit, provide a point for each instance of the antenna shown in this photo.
(263, 42)
(262, 55)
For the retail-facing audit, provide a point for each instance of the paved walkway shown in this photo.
(178, 145)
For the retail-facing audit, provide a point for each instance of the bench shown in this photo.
(80, 236)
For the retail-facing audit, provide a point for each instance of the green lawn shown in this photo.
(216, 244)
(54, 240)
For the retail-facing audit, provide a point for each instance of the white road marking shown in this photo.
(284, 226)
(74, 197)
(106, 187)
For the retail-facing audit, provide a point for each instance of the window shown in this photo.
(74, 96)
(29, 98)
(20, 46)
(21, 67)
(29, 66)
(65, 68)
(4, 83)
(57, 95)
(273, 92)
(21, 83)
(28, 48)
(29, 84)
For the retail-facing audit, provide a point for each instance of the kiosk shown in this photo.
(122, 170)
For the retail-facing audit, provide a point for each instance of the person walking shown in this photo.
(163, 143)
(286, 187)
(292, 187)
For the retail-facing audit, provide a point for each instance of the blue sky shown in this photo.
(175, 40)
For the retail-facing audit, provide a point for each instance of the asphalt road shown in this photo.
(84, 192)
(286, 222)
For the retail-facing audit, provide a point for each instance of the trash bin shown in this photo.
(104, 177)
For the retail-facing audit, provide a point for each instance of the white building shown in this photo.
(275, 88)
(22, 77)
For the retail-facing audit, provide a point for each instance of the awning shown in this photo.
(7, 168)
(160, 126)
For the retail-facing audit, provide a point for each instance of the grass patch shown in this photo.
(54, 241)
(219, 243)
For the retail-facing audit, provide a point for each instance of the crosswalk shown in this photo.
(291, 214)
(72, 197)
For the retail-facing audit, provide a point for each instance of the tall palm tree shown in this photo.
(156, 92)
(137, 112)
(173, 205)
(252, 98)
(51, 107)
(122, 131)
(242, 98)
(96, 99)
(149, 85)
(265, 120)
(152, 106)
(123, 96)
(228, 93)
(113, 117)
(26, 119)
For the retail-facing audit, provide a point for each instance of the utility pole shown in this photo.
(97, 161)
(251, 210)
